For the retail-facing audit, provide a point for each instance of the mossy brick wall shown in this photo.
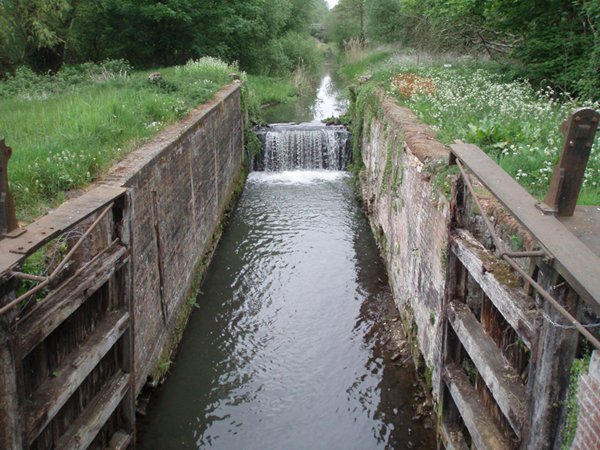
(410, 217)
(180, 184)
(588, 422)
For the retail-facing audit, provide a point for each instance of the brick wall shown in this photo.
(410, 217)
(588, 423)
(180, 183)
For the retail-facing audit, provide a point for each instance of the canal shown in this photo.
(294, 343)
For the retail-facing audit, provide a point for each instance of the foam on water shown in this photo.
(297, 176)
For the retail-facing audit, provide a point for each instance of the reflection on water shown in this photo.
(285, 349)
(315, 106)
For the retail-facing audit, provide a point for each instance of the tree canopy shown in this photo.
(44, 34)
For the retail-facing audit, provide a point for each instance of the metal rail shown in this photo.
(47, 280)
(508, 257)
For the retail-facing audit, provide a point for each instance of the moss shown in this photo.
(579, 367)
(364, 107)
(442, 180)
(429, 378)
(398, 178)
(516, 242)
(387, 171)
(444, 256)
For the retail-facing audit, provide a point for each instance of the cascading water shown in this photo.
(303, 147)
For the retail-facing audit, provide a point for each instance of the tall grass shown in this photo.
(472, 101)
(64, 135)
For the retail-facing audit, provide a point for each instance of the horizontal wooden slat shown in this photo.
(50, 397)
(452, 438)
(574, 260)
(85, 429)
(63, 301)
(55, 223)
(503, 382)
(120, 441)
(517, 308)
(483, 431)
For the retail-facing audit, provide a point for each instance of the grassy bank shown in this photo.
(473, 101)
(67, 130)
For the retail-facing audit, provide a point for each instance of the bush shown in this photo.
(28, 85)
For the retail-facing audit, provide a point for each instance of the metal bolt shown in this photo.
(577, 118)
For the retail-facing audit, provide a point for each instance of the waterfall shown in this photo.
(296, 147)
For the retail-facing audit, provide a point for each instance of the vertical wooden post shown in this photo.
(10, 423)
(550, 365)
(8, 218)
(567, 179)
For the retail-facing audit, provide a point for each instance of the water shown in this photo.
(294, 147)
(292, 345)
(313, 107)
(286, 349)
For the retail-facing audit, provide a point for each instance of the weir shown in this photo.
(303, 146)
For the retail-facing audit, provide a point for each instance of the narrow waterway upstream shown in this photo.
(290, 346)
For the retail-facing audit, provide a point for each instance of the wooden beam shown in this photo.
(482, 429)
(55, 223)
(550, 366)
(120, 440)
(51, 396)
(518, 309)
(501, 379)
(10, 415)
(452, 437)
(85, 429)
(574, 260)
(63, 301)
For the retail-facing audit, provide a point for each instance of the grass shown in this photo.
(66, 131)
(472, 101)
(264, 91)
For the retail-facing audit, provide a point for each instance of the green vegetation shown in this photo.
(67, 130)
(552, 43)
(476, 102)
(266, 91)
(262, 36)
(579, 367)
(72, 104)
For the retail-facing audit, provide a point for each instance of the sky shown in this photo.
(332, 3)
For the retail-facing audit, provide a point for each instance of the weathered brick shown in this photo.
(181, 180)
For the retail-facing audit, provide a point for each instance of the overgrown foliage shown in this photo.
(514, 123)
(554, 42)
(262, 36)
(68, 129)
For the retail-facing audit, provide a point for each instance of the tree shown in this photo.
(38, 31)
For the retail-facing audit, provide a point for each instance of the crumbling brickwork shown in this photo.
(409, 215)
(588, 424)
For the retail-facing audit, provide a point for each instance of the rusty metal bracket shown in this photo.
(579, 130)
(9, 227)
